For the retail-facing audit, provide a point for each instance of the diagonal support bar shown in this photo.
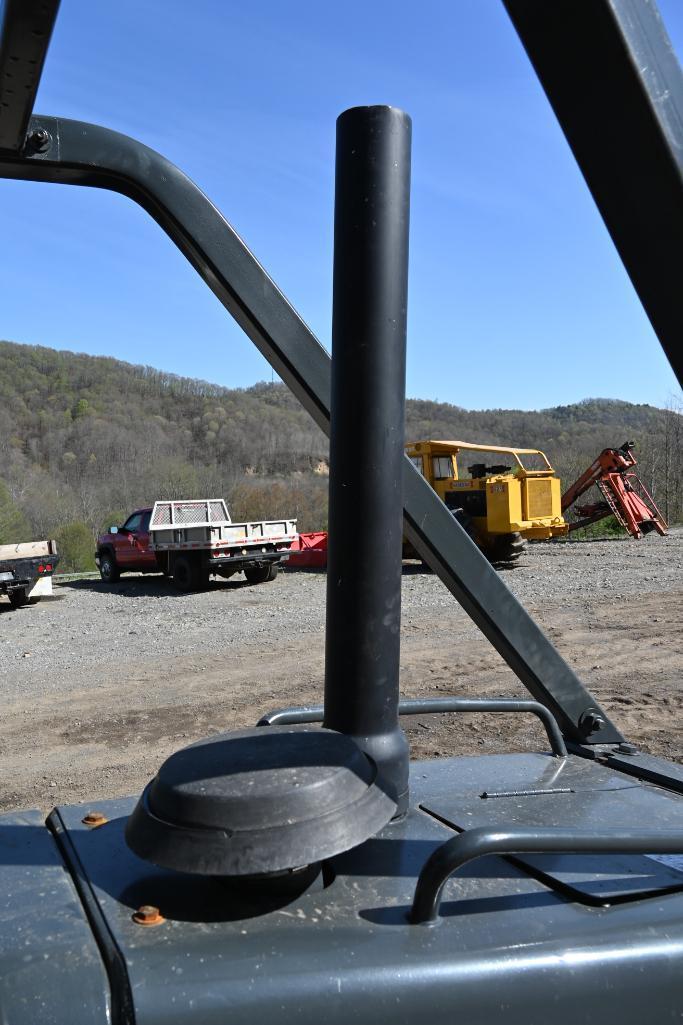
(616, 87)
(82, 154)
(25, 31)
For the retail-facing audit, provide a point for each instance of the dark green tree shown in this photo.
(76, 548)
(13, 525)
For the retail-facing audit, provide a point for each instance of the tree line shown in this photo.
(85, 439)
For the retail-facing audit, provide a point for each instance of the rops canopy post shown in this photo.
(367, 436)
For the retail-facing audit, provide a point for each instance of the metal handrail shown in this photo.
(431, 706)
(483, 840)
(468, 446)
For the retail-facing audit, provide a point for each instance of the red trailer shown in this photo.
(309, 551)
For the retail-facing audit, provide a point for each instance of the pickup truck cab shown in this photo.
(126, 548)
(191, 540)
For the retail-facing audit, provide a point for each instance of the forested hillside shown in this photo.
(83, 439)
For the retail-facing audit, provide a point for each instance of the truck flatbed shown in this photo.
(191, 540)
(26, 570)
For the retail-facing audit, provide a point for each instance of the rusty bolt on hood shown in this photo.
(94, 818)
(147, 914)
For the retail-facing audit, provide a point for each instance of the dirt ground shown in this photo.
(101, 683)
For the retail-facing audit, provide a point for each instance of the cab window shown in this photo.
(133, 522)
(442, 467)
(417, 463)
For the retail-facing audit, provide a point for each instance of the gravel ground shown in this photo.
(101, 682)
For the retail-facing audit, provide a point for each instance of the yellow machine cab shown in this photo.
(500, 505)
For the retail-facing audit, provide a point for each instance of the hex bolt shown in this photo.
(147, 914)
(591, 722)
(627, 749)
(39, 140)
(94, 819)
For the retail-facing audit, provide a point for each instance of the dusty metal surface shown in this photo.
(51, 967)
(343, 949)
(531, 792)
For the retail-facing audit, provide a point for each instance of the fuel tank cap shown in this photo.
(260, 800)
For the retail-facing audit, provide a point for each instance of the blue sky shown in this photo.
(517, 298)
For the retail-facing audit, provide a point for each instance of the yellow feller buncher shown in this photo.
(499, 506)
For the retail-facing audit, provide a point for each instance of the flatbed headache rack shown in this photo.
(206, 523)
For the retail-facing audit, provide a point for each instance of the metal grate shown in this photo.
(189, 512)
(216, 512)
(162, 515)
(539, 498)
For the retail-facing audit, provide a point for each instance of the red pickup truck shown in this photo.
(191, 540)
(126, 549)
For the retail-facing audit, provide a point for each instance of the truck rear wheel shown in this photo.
(19, 597)
(184, 574)
(201, 576)
(109, 571)
(261, 574)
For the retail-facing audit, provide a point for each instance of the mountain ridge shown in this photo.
(83, 437)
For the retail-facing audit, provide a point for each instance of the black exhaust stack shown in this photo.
(263, 802)
(372, 207)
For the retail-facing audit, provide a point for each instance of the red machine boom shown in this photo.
(625, 496)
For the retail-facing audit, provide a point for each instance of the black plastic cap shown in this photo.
(259, 801)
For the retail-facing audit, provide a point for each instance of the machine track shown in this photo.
(506, 549)
(503, 551)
